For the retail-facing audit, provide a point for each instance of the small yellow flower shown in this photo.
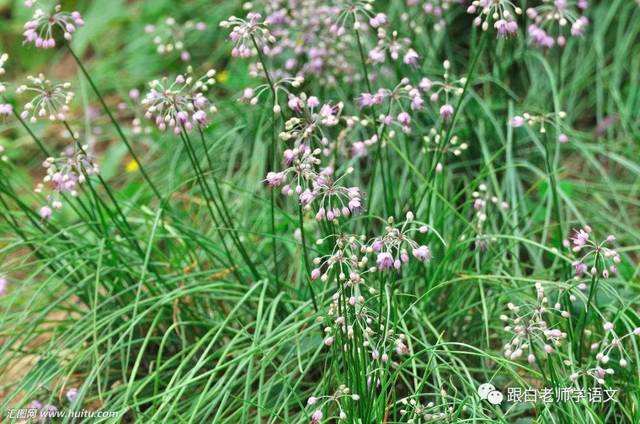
(132, 166)
(223, 76)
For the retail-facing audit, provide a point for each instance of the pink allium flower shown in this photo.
(540, 36)
(517, 121)
(307, 196)
(579, 268)
(404, 118)
(245, 31)
(39, 30)
(425, 84)
(411, 57)
(578, 27)
(5, 109)
(579, 239)
(384, 260)
(274, 179)
(446, 112)
(379, 20)
(315, 273)
(45, 212)
(295, 103)
(376, 246)
(422, 253)
(49, 100)
(180, 104)
(506, 28)
(171, 36)
(551, 20)
(72, 394)
(316, 417)
(313, 102)
(3, 286)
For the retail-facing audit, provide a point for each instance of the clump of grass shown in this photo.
(360, 212)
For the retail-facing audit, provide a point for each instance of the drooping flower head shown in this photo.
(434, 11)
(541, 122)
(336, 400)
(42, 27)
(171, 37)
(301, 168)
(607, 348)
(50, 100)
(531, 327)
(180, 103)
(347, 259)
(64, 176)
(334, 199)
(247, 34)
(283, 88)
(435, 140)
(311, 120)
(444, 91)
(358, 13)
(501, 13)
(484, 205)
(554, 20)
(595, 257)
(399, 242)
(403, 100)
(395, 48)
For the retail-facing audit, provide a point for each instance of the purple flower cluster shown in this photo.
(502, 13)
(173, 37)
(40, 29)
(247, 34)
(392, 249)
(541, 122)
(63, 176)
(392, 47)
(180, 104)
(603, 259)
(433, 12)
(347, 258)
(305, 43)
(49, 100)
(531, 328)
(443, 92)
(552, 17)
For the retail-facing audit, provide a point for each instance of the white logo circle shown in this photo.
(485, 389)
(495, 397)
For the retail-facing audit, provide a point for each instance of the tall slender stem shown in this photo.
(208, 202)
(115, 123)
(456, 111)
(379, 157)
(272, 158)
(222, 209)
(305, 256)
(587, 309)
